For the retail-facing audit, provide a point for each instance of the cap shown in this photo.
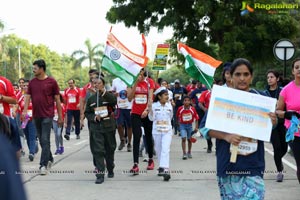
(162, 88)
(177, 81)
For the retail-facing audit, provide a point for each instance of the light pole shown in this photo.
(19, 56)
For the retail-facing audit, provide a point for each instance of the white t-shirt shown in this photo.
(121, 88)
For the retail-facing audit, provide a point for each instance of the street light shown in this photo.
(19, 56)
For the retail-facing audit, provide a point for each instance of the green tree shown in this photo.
(198, 21)
(93, 55)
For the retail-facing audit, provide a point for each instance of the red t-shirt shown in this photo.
(6, 89)
(42, 94)
(21, 102)
(187, 116)
(205, 98)
(72, 98)
(140, 99)
(84, 90)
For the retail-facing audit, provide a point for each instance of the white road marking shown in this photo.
(283, 160)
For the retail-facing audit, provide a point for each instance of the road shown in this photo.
(72, 178)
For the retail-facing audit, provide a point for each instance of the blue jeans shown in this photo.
(43, 129)
(186, 130)
(70, 115)
(58, 135)
(30, 133)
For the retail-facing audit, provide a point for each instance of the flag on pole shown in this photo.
(199, 65)
(121, 62)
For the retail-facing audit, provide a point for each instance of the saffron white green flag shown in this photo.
(121, 62)
(199, 65)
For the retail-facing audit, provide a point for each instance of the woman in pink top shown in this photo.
(290, 99)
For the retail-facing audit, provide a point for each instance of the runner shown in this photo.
(243, 179)
(141, 94)
(186, 115)
(43, 92)
(124, 108)
(161, 114)
(278, 134)
(289, 98)
(99, 112)
(72, 95)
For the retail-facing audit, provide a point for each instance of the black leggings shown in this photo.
(295, 146)
(137, 122)
(279, 145)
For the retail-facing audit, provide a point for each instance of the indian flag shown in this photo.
(121, 62)
(199, 65)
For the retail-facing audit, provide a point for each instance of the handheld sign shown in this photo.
(242, 113)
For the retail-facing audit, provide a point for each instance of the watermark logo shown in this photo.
(246, 8)
(269, 8)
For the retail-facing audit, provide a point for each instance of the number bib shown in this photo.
(247, 146)
(162, 126)
(122, 104)
(1, 108)
(178, 95)
(101, 111)
(72, 99)
(187, 117)
(140, 99)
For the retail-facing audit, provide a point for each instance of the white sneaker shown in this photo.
(49, 165)
(43, 171)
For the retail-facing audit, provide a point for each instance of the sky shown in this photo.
(64, 25)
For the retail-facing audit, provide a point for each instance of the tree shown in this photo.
(219, 22)
(93, 55)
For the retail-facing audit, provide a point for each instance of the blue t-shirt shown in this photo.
(250, 165)
(181, 91)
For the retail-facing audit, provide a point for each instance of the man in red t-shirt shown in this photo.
(86, 92)
(72, 95)
(43, 91)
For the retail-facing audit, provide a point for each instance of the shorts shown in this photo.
(124, 117)
(241, 187)
(186, 130)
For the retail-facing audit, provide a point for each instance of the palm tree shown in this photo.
(93, 55)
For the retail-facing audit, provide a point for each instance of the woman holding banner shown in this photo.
(142, 96)
(289, 98)
(244, 178)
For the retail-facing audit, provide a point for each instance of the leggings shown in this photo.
(295, 146)
(279, 145)
(137, 122)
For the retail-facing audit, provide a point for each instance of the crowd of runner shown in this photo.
(147, 115)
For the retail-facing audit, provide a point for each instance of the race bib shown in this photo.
(29, 113)
(1, 108)
(72, 99)
(140, 99)
(162, 126)
(101, 111)
(187, 117)
(122, 104)
(178, 95)
(247, 146)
